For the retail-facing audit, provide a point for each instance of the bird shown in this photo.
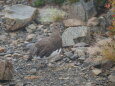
(46, 45)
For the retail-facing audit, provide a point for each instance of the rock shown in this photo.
(48, 15)
(74, 57)
(73, 35)
(2, 49)
(111, 78)
(29, 45)
(97, 71)
(93, 21)
(17, 16)
(30, 37)
(33, 71)
(6, 70)
(31, 28)
(82, 10)
(81, 44)
(81, 53)
(68, 54)
(3, 37)
(19, 84)
(73, 22)
(105, 21)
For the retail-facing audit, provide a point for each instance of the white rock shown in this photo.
(97, 71)
(17, 16)
(73, 35)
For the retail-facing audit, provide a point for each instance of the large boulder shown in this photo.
(6, 70)
(17, 16)
(73, 35)
(82, 10)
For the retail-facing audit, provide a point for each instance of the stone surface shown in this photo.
(112, 78)
(73, 35)
(73, 22)
(93, 21)
(30, 37)
(82, 10)
(17, 16)
(6, 70)
(31, 28)
(97, 71)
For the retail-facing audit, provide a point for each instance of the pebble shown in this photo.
(68, 54)
(31, 28)
(8, 55)
(74, 57)
(30, 37)
(33, 71)
(96, 71)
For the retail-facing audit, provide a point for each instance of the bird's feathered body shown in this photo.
(47, 45)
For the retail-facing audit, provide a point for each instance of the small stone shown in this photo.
(93, 21)
(6, 70)
(112, 78)
(19, 84)
(8, 55)
(29, 45)
(97, 71)
(3, 37)
(33, 71)
(74, 57)
(81, 51)
(31, 28)
(25, 56)
(13, 34)
(30, 37)
(2, 49)
(16, 55)
(68, 54)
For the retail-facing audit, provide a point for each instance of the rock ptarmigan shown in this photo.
(47, 45)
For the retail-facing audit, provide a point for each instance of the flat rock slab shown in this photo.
(6, 70)
(73, 35)
(17, 16)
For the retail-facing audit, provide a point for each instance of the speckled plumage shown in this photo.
(47, 45)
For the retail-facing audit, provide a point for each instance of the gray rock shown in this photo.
(82, 10)
(74, 57)
(17, 16)
(68, 54)
(6, 70)
(33, 71)
(73, 35)
(19, 84)
(31, 28)
(81, 53)
(81, 44)
(30, 37)
(112, 78)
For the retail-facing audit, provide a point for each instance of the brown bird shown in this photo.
(47, 45)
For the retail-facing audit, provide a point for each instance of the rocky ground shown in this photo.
(68, 69)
